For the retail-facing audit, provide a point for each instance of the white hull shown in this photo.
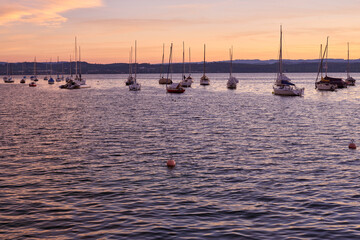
(321, 86)
(204, 81)
(135, 87)
(288, 91)
(186, 83)
(231, 83)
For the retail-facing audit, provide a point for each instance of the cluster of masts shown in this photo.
(71, 82)
(185, 82)
(282, 85)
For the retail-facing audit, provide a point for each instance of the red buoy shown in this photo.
(352, 145)
(171, 163)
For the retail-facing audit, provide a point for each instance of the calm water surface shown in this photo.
(91, 163)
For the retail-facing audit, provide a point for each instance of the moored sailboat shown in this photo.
(204, 80)
(51, 80)
(350, 81)
(130, 79)
(283, 85)
(185, 82)
(326, 83)
(8, 78)
(135, 86)
(174, 87)
(34, 77)
(232, 81)
(162, 79)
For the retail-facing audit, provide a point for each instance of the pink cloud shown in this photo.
(41, 12)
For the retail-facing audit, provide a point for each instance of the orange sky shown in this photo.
(107, 28)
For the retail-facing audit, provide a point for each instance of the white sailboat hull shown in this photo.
(135, 87)
(288, 90)
(186, 83)
(324, 86)
(204, 81)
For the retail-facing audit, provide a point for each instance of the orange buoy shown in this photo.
(171, 163)
(352, 144)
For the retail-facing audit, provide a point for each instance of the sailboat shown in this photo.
(46, 71)
(23, 80)
(135, 86)
(130, 79)
(204, 79)
(71, 76)
(34, 77)
(174, 87)
(163, 80)
(185, 82)
(189, 78)
(232, 81)
(8, 78)
(327, 83)
(350, 81)
(58, 78)
(283, 85)
(51, 80)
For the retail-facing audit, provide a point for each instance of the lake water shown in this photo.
(91, 163)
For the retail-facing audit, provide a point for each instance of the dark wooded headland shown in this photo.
(240, 66)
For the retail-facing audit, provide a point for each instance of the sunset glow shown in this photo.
(106, 29)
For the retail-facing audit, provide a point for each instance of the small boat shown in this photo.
(8, 78)
(189, 78)
(58, 78)
(204, 80)
(326, 83)
(51, 80)
(34, 78)
(46, 77)
(32, 84)
(162, 79)
(174, 87)
(350, 81)
(23, 80)
(130, 79)
(185, 82)
(232, 81)
(283, 85)
(135, 86)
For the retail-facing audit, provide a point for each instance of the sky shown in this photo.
(106, 29)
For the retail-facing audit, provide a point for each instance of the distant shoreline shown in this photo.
(239, 66)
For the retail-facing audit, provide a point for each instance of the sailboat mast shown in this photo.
(327, 50)
(231, 56)
(130, 61)
(57, 69)
(169, 67)
(280, 54)
(70, 66)
(348, 65)
(35, 66)
(79, 63)
(135, 62)
(50, 67)
(162, 62)
(76, 66)
(204, 59)
(189, 62)
(321, 61)
(183, 71)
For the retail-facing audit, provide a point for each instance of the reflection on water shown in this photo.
(91, 163)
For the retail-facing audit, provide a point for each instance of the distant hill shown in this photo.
(241, 66)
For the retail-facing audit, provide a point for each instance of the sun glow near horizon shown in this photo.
(107, 29)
